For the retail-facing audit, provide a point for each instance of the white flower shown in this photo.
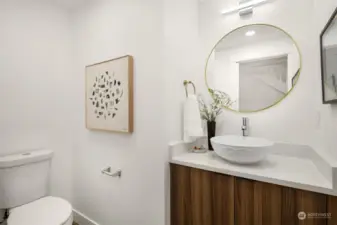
(220, 100)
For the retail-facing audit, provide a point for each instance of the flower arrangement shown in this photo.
(220, 100)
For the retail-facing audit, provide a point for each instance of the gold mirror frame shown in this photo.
(259, 24)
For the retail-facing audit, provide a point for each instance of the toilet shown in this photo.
(24, 181)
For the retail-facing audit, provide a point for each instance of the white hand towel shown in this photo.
(192, 120)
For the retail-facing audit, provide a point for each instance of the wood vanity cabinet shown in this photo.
(200, 197)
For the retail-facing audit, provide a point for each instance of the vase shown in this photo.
(211, 127)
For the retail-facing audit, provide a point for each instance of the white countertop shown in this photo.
(290, 171)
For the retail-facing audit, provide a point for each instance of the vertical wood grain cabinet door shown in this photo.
(295, 201)
(244, 201)
(332, 208)
(212, 198)
(223, 199)
(180, 195)
(201, 197)
(310, 202)
(258, 203)
(267, 204)
(289, 211)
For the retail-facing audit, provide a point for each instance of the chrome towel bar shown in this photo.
(107, 171)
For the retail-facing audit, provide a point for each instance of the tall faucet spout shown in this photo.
(244, 126)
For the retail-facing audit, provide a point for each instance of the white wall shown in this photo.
(328, 113)
(44, 50)
(300, 118)
(183, 60)
(35, 89)
(104, 30)
(286, 121)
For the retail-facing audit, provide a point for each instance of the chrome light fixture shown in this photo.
(245, 7)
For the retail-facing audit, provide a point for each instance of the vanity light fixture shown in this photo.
(250, 33)
(244, 7)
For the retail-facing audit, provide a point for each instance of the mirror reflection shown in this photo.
(255, 65)
(329, 59)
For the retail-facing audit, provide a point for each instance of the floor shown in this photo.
(74, 223)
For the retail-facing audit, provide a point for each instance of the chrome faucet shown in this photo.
(244, 127)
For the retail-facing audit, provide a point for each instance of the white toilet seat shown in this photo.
(45, 211)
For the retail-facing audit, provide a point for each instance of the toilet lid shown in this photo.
(48, 210)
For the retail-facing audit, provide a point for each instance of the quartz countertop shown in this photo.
(296, 172)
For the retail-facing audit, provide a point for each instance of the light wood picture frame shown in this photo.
(109, 95)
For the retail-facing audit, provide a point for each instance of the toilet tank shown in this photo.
(24, 177)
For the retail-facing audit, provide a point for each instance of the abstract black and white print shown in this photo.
(109, 92)
(106, 94)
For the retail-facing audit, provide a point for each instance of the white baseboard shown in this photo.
(82, 219)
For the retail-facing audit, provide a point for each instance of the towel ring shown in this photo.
(187, 83)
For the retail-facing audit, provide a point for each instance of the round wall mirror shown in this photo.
(254, 67)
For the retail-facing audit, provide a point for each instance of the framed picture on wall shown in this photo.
(109, 95)
(328, 41)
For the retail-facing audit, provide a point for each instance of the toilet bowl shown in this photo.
(45, 211)
(24, 182)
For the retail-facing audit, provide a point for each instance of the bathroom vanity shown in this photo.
(207, 190)
(200, 197)
(255, 67)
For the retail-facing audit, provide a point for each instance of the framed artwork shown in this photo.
(328, 60)
(109, 95)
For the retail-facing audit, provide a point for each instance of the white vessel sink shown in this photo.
(241, 150)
